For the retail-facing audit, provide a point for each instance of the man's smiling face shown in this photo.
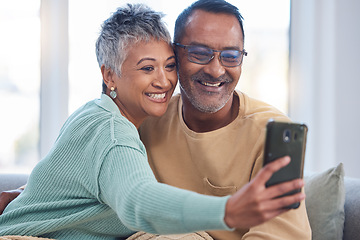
(209, 87)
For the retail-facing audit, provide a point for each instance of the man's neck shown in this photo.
(205, 122)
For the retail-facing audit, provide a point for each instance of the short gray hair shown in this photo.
(128, 25)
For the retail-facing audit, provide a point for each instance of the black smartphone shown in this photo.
(286, 139)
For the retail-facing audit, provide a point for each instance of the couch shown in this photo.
(333, 202)
(352, 209)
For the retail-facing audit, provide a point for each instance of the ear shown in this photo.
(108, 76)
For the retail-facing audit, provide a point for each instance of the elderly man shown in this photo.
(211, 138)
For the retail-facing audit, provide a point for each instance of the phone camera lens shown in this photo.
(287, 136)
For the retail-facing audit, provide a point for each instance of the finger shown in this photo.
(283, 202)
(282, 188)
(269, 169)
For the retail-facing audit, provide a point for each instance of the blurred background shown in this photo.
(303, 58)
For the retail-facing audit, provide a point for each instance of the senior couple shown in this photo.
(96, 181)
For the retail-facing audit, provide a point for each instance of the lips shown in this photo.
(209, 81)
(156, 95)
(208, 84)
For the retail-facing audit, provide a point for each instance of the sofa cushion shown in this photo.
(325, 199)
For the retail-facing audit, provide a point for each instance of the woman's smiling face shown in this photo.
(147, 82)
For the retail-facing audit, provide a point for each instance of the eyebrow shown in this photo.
(225, 48)
(153, 59)
(144, 59)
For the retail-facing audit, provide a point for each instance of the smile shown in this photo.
(156, 96)
(212, 84)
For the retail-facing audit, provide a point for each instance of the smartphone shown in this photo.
(286, 139)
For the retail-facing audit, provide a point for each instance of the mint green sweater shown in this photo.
(95, 183)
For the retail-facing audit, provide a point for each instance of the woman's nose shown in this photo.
(162, 81)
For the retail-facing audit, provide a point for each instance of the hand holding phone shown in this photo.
(286, 139)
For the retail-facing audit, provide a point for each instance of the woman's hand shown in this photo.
(255, 204)
(7, 196)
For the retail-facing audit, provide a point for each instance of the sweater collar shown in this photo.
(108, 104)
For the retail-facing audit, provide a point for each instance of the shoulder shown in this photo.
(258, 110)
(256, 113)
(105, 125)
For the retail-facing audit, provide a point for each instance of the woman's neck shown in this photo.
(127, 115)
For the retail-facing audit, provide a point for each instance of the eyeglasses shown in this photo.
(203, 55)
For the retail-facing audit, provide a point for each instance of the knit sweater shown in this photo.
(95, 183)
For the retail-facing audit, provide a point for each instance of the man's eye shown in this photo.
(231, 56)
(200, 55)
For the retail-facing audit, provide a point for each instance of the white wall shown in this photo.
(54, 71)
(325, 80)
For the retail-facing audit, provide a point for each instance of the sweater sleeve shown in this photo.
(129, 187)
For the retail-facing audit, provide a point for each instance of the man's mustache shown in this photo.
(204, 77)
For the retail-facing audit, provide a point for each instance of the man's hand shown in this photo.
(255, 204)
(7, 196)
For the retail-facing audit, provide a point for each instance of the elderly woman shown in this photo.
(96, 183)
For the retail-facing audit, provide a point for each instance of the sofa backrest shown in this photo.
(9, 181)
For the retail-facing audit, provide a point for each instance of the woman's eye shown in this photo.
(147, 68)
(171, 66)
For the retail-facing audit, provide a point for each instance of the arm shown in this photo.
(7, 196)
(128, 186)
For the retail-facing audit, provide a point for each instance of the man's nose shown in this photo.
(214, 67)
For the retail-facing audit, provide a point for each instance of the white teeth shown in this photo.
(157, 96)
(211, 84)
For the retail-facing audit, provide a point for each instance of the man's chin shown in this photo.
(210, 103)
(208, 108)
(205, 102)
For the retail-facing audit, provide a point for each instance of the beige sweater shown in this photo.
(219, 162)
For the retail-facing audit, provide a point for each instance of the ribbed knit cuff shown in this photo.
(207, 212)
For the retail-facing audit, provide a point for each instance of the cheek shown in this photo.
(133, 86)
(173, 78)
(184, 65)
(187, 69)
(235, 73)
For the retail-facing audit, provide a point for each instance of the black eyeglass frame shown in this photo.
(242, 54)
